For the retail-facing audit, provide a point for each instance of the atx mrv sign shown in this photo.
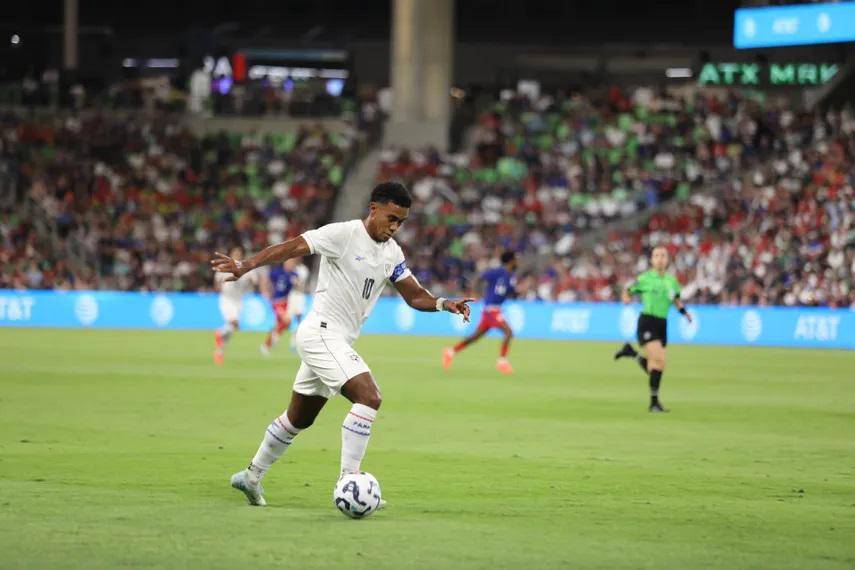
(784, 74)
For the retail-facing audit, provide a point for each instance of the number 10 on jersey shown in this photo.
(367, 287)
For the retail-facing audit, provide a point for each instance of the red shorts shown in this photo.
(280, 309)
(492, 318)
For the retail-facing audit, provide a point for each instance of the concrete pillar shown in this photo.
(406, 60)
(69, 50)
(422, 55)
(437, 47)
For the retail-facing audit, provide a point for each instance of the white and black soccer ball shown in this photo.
(357, 495)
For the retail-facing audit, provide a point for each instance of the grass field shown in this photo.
(116, 448)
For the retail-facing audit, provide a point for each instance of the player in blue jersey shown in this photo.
(282, 280)
(500, 284)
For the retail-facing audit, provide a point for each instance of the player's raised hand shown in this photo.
(222, 263)
(459, 307)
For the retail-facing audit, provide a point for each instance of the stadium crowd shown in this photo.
(142, 203)
(764, 209)
(754, 201)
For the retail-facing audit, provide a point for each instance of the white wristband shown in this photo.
(439, 303)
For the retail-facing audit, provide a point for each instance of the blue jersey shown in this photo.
(500, 284)
(283, 281)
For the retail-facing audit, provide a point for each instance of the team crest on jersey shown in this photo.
(360, 258)
(354, 357)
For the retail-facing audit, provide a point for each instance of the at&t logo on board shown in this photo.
(752, 326)
(86, 309)
(161, 310)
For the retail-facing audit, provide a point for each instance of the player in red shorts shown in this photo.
(500, 284)
(282, 278)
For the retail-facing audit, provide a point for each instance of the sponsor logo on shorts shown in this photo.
(354, 357)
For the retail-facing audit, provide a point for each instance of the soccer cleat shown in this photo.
(382, 504)
(218, 356)
(265, 350)
(218, 339)
(657, 408)
(254, 493)
(503, 366)
(626, 350)
(447, 357)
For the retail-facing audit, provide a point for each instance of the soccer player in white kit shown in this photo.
(231, 298)
(357, 259)
(297, 299)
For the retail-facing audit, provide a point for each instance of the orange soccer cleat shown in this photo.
(218, 356)
(447, 357)
(503, 366)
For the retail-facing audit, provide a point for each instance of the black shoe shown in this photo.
(626, 350)
(657, 408)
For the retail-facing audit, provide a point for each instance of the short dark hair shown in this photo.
(507, 257)
(394, 192)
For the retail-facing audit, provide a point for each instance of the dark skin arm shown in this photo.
(279, 253)
(421, 299)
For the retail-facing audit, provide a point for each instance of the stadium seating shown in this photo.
(544, 173)
(140, 204)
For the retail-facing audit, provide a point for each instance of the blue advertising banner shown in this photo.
(799, 24)
(761, 326)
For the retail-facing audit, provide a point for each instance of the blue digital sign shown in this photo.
(758, 326)
(799, 24)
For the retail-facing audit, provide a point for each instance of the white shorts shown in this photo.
(328, 361)
(296, 304)
(230, 309)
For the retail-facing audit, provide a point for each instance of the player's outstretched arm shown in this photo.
(421, 299)
(294, 247)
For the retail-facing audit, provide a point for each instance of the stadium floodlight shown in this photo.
(798, 24)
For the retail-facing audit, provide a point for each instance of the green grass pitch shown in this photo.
(116, 448)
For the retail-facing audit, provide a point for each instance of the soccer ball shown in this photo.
(357, 495)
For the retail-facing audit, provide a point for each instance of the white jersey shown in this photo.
(233, 291)
(354, 270)
(302, 278)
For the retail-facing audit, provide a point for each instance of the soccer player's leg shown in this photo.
(364, 394)
(231, 313)
(502, 364)
(655, 351)
(279, 435)
(485, 324)
(626, 351)
(283, 321)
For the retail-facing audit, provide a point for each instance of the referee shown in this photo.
(658, 290)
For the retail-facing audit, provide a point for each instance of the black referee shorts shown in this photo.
(652, 328)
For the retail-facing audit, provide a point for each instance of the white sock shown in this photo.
(355, 432)
(278, 437)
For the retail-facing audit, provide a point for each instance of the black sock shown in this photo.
(642, 362)
(655, 380)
